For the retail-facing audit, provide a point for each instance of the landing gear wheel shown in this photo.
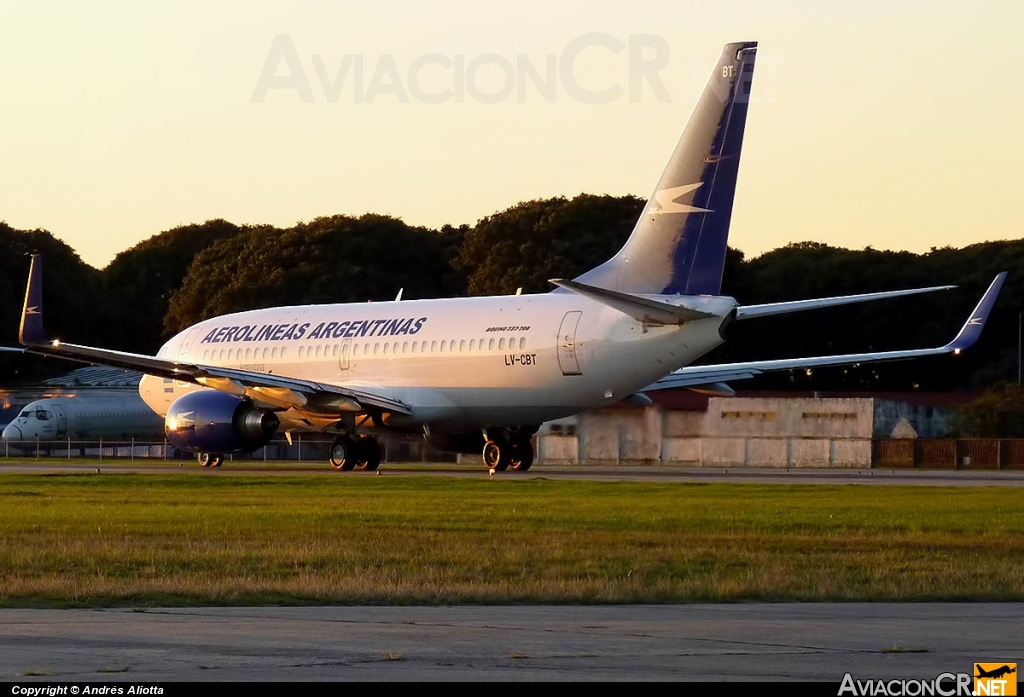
(343, 454)
(210, 459)
(496, 455)
(521, 458)
(368, 452)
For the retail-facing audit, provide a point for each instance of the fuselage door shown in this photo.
(567, 359)
(186, 344)
(346, 350)
(62, 422)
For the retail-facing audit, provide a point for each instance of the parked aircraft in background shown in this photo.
(483, 373)
(85, 418)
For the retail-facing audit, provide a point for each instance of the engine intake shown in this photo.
(216, 422)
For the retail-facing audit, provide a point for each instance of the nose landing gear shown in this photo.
(210, 459)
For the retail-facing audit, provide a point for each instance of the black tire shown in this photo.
(343, 454)
(521, 458)
(204, 459)
(216, 460)
(369, 454)
(496, 456)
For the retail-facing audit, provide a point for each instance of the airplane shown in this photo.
(85, 417)
(481, 374)
(996, 672)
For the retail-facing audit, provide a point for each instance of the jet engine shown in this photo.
(217, 422)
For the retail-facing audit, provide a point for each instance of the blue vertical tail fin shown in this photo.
(679, 242)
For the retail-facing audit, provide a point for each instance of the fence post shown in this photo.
(300, 447)
(69, 447)
(37, 447)
(101, 448)
(265, 453)
(165, 449)
(132, 456)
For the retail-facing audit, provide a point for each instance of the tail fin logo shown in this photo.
(34, 310)
(666, 200)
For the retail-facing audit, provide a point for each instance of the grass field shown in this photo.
(153, 539)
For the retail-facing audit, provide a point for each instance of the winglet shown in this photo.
(971, 330)
(31, 331)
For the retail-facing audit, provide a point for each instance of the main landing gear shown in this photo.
(361, 454)
(512, 450)
(210, 459)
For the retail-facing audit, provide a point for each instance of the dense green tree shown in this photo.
(70, 297)
(333, 259)
(193, 272)
(808, 270)
(532, 242)
(140, 281)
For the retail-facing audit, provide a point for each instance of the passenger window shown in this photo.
(472, 344)
(522, 342)
(501, 344)
(302, 352)
(433, 346)
(284, 351)
(462, 344)
(444, 345)
(394, 349)
(273, 353)
(414, 346)
(490, 344)
(423, 347)
(405, 347)
(387, 346)
(319, 351)
(376, 348)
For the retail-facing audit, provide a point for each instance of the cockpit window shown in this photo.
(42, 414)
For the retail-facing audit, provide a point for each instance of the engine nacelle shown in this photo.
(217, 422)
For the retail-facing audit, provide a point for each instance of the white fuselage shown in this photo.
(460, 364)
(84, 417)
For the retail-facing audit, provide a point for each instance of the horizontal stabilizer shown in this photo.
(642, 309)
(749, 311)
(703, 374)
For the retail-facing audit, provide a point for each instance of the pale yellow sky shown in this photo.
(894, 125)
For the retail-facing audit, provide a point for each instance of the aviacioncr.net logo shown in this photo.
(943, 685)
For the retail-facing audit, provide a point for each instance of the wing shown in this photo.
(709, 374)
(766, 310)
(274, 390)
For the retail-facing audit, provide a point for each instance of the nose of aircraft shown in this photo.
(12, 432)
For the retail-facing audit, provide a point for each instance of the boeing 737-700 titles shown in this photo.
(481, 374)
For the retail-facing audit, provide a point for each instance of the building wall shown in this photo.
(733, 431)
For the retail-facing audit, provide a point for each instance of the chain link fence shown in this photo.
(307, 449)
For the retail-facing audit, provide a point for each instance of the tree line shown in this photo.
(192, 272)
